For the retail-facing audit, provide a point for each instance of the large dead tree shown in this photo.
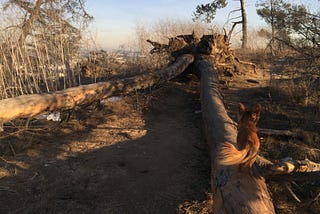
(234, 191)
(27, 106)
(216, 45)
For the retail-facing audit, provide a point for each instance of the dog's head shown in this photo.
(246, 116)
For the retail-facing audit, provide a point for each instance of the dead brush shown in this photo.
(36, 56)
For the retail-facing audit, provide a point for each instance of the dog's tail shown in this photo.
(228, 154)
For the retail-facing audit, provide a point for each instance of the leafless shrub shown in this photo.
(38, 47)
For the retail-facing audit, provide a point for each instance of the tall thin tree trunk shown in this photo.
(272, 27)
(244, 25)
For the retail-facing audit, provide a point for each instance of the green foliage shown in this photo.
(77, 10)
(292, 24)
(207, 12)
(282, 15)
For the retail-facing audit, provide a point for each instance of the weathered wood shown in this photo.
(178, 45)
(31, 105)
(216, 45)
(233, 191)
(287, 166)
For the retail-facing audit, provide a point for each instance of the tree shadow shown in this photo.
(153, 173)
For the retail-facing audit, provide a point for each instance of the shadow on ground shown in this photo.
(125, 161)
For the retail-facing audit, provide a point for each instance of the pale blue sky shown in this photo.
(115, 20)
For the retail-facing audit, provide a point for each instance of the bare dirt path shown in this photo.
(142, 154)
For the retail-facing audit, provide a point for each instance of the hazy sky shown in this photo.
(115, 20)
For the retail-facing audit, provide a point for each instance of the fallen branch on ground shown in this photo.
(27, 106)
(286, 133)
(287, 166)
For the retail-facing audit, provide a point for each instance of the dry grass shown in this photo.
(293, 105)
(42, 62)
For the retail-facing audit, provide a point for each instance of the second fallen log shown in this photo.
(27, 106)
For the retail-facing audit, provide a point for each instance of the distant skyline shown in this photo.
(115, 20)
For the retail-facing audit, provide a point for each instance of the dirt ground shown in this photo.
(146, 153)
(281, 111)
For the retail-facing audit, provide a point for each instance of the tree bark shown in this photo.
(287, 166)
(233, 191)
(244, 25)
(26, 106)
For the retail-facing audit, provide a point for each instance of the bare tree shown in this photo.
(244, 25)
(46, 34)
(41, 14)
(207, 12)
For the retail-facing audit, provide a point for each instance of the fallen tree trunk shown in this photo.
(27, 106)
(233, 191)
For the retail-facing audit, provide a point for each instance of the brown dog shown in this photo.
(248, 142)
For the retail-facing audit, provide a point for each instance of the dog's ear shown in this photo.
(256, 109)
(242, 109)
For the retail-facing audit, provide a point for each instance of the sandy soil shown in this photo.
(146, 153)
(142, 154)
